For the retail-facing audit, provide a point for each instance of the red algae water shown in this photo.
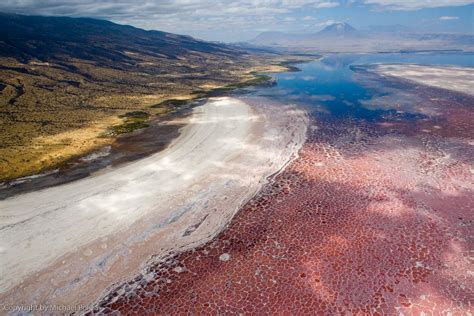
(374, 217)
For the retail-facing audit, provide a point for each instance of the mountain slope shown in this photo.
(43, 38)
(338, 30)
(65, 81)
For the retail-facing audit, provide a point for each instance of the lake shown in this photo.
(330, 83)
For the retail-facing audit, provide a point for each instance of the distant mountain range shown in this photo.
(338, 30)
(342, 37)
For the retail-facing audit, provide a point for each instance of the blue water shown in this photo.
(331, 84)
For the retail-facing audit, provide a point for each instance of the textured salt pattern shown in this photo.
(371, 218)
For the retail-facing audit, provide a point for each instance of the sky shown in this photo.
(241, 20)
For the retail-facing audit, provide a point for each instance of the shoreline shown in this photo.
(138, 144)
(125, 149)
(380, 204)
(171, 201)
(454, 78)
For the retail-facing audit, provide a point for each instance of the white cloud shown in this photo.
(416, 4)
(326, 23)
(449, 18)
(328, 4)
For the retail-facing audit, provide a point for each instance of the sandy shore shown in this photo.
(68, 244)
(460, 79)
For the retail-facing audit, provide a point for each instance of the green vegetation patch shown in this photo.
(260, 80)
(124, 128)
(132, 121)
(170, 103)
(135, 116)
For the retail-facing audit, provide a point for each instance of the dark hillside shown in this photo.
(46, 38)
